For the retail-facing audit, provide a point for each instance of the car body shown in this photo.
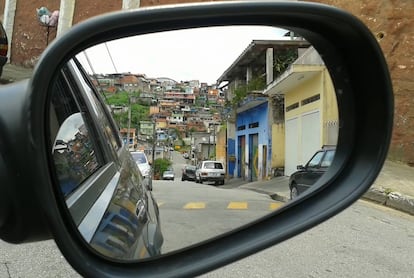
(186, 155)
(4, 46)
(307, 175)
(92, 160)
(210, 171)
(188, 173)
(168, 175)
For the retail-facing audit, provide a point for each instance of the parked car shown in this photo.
(89, 162)
(188, 173)
(142, 162)
(168, 175)
(307, 175)
(144, 166)
(4, 46)
(186, 156)
(211, 171)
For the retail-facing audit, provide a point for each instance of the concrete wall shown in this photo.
(278, 145)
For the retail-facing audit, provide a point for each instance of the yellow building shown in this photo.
(311, 111)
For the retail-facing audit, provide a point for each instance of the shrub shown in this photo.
(160, 165)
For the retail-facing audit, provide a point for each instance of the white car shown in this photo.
(168, 175)
(210, 170)
(142, 161)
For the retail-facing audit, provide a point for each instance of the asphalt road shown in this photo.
(366, 240)
(192, 212)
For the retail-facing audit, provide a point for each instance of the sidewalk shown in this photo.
(12, 73)
(393, 188)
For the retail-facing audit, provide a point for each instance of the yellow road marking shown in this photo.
(160, 203)
(274, 206)
(237, 205)
(195, 205)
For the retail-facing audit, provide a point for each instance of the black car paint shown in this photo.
(188, 173)
(116, 223)
(309, 174)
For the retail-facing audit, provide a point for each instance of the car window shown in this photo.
(316, 160)
(213, 165)
(327, 159)
(139, 157)
(97, 108)
(73, 148)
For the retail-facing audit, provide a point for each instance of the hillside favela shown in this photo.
(270, 110)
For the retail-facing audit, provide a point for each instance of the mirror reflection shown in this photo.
(165, 140)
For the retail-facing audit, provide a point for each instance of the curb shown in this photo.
(393, 200)
(279, 198)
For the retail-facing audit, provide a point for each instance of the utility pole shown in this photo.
(214, 140)
(153, 145)
(129, 122)
(209, 143)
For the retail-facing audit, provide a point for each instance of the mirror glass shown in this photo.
(225, 125)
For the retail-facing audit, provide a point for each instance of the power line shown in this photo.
(110, 56)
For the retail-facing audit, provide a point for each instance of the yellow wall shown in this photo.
(330, 108)
(278, 145)
(330, 104)
(306, 89)
(320, 84)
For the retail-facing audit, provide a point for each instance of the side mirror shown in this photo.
(300, 167)
(36, 208)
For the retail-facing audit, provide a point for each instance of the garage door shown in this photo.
(291, 145)
(302, 140)
(311, 136)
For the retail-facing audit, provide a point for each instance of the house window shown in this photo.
(254, 125)
(311, 99)
(292, 106)
(242, 127)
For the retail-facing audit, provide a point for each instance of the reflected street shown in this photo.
(192, 212)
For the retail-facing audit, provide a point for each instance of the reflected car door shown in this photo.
(109, 206)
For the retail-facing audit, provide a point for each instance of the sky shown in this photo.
(194, 54)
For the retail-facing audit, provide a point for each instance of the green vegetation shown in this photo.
(282, 61)
(257, 83)
(139, 111)
(160, 165)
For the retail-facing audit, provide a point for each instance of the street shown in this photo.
(366, 240)
(192, 212)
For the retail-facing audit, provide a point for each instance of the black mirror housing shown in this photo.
(365, 100)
